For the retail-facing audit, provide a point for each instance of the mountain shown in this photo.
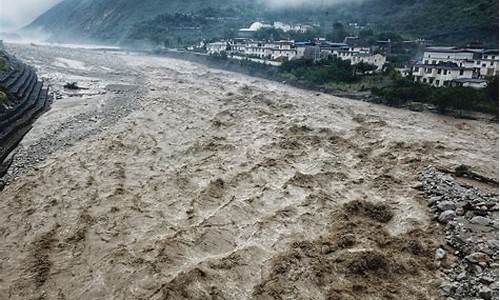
(111, 20)
(445, 21)
(169, 21)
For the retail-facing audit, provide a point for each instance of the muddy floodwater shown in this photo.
(165, 179)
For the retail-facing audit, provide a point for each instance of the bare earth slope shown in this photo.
(216, 185)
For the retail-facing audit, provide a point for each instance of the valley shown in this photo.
(167, 179)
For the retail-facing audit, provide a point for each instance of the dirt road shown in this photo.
(169, 180)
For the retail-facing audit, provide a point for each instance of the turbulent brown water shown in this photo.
(169, 180)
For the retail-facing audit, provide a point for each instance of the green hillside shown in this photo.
(161, 21)
(111, 20)
(448, 21)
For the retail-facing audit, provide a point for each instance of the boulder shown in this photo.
(480, 220)
(447, 216)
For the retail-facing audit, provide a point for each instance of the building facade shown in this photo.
(290, 50)
(439, 75)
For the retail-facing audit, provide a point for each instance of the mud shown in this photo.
(217, 185)
(356, 259)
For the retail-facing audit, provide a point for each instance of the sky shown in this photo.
(14, 14)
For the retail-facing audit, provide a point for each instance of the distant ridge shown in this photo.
(449, 21)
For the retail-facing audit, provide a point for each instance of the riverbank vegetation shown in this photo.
(404, 91)
(335, 75)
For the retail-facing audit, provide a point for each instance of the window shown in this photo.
(491, 63)
(431, 80)
(426, 61)
(478, 62)
(437, 82)
(415, 70)
(424, 80)
(445, 72)
(433, 62)
(439, 71)
(484, 65)
(461, 72)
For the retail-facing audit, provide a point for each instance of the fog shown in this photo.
(15, 14)
(295, 3)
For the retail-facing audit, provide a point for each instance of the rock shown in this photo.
(446, 288)
(480, 220)
(432, 200)
(440, 253)
(492, 244)
(419, 186)
(477, 258)
(447, 216)
(476, 269)
(486, 279)
(462, 276)
(470, 232)
(485, 293)
(460, 211)
(446, 205)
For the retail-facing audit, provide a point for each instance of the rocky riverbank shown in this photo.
(469, 218)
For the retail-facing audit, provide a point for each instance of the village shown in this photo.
(433, 65)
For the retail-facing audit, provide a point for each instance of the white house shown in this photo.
(361, 56)
(489, 63)
(441, 74)
(435, 55)
(217, 47)
(377, 60)
(483, 62)
(332, 49)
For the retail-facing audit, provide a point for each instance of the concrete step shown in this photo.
(6, 76)
(29, 82)
(13, 79)
(4, 117)
(11, 136)
(24, 106)
(23, 80)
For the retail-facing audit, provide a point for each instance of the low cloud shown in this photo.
(15, 14)
(306, 3)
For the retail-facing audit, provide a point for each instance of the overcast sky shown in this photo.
(17, 13)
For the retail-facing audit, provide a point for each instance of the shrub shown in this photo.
(444, 98)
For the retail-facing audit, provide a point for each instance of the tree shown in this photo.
(492, 89)
(339, 32)
(394, 37)
(365, 33)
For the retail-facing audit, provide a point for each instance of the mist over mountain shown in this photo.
(19, 13)
(117, 21)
